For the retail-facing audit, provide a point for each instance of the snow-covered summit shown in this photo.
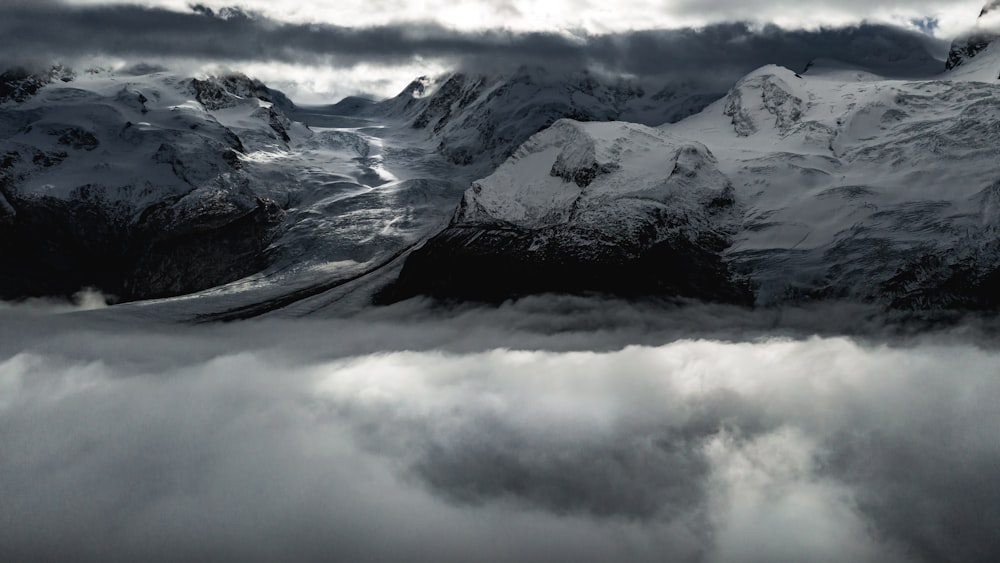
(573, 171)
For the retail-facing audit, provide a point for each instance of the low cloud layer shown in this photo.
(33, 31)
(449, 436)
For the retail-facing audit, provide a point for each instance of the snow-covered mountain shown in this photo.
(129, 183)
(833, 184)
(147, 184)
(861, 188)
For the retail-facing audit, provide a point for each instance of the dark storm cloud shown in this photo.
(412, 433)
(59, 31)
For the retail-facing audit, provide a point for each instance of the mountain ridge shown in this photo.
(831, 183)
(853, 187)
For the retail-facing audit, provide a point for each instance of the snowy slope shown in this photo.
(857, 187)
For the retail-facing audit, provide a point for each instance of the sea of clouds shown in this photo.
(552, 429)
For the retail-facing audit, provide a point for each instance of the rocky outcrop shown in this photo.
(18, 84)
(761, 95)
(495, 264)
(229, 90)
(55, 247)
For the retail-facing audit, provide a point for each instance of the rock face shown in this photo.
(612, 207)
(766, 95)
(128, 186)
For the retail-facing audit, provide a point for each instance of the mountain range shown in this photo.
(795, 185)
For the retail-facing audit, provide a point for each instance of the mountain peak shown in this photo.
(986, 31)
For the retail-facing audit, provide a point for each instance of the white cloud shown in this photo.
(325, 84)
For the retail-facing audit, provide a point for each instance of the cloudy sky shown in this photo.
(326, 49)
(592, 16)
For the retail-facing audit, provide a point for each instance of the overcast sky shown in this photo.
(595, 16)
(321, 51)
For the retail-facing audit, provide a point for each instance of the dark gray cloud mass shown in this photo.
(536, 431)
(54, 30)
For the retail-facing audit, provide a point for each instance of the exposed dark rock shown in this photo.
(964, 49)
(77, 138)
(55, 247)
(9, 160)
(48, 159)
(277, 121)
(969, 281)
(494, 264)
(18, 85)
(440, 106)
(227, 91)
(7, 212)
(581, 176)
(197, 259)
